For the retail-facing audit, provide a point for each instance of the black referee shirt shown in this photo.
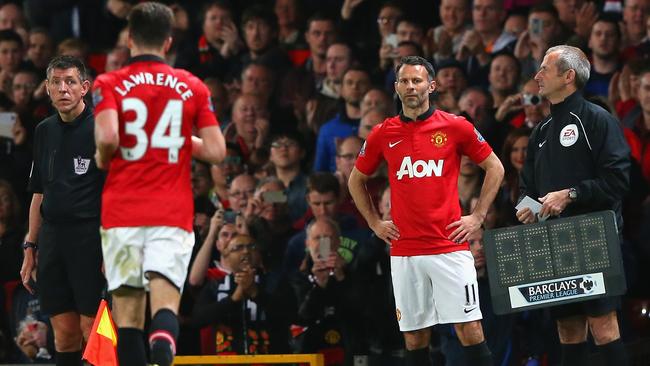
(64, 169)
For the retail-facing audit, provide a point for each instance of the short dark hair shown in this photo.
(418, 48)
(545, 7)
(356, 68)
(150, 24)
(68, 62)
(259, 12)
(610, 17)
(9, 35)
(416, 60)
(221, 4)
(319, 17)
(290, 135)
(323, 182)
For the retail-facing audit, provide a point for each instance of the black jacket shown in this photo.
(579, 146)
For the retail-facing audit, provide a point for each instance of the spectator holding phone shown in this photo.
(329, 300)
(287, 153)
(544, 30)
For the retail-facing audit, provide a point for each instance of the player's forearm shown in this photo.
(210, 146)
(361, 197)
(34, 217)
(491, 183)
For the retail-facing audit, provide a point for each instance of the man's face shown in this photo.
(246, 110)
(634, 15)
(474, 103)
(10, 56)
(320, 36)
(322, 204)
(337, 61)
(476, 248)
(285, 153)
(116, 59)
(503, 74)
(387, 20)
(403, 51)
(550, 81)
(239, 252)
(11, 17)
(23, 85)
(256, 80)
(355, 85)
(201, 180)
(453, 14)
(368, 121)
(241, 189)
(451, 80)
(215, 20)
(407, 31)
(227, 232)
(258, 35)
(285, 11)
(40, 49)
(321, 230)
(66, 89)
(603, 40)
(231, 166)
(413, 85)
(374, 98)
(347, 156)
(644, 92)
(487, 15)
(468, 168)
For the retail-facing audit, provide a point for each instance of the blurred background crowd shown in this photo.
(297, 85)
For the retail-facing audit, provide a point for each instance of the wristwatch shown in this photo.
(573, 194)
(29, 244)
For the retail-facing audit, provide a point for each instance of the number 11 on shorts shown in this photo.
(470, 298)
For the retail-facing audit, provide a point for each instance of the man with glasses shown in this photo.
(247, 313)
(287, 152)
(241, 190)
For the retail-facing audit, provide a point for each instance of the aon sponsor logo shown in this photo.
(420, 168)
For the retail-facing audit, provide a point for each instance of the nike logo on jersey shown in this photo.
(542, 143)
(393, 144)
(467, 311)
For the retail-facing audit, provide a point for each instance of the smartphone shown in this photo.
(7, 122)
(229, 216)
(324, 248)
(274, 197)
(391, 40)
(536, 26)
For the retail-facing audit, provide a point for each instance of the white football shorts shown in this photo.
(131, 252)
(435, 289)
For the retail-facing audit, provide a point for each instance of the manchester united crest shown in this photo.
(439, 139)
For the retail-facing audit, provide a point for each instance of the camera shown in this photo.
(536, 26)
(531, 99)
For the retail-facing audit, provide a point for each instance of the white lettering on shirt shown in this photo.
(420, 168)
(160, 79)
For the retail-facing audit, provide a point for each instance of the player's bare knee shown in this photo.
(470, 333)
(417, 339)
(128, 307)
(604, 328)
(572, 330)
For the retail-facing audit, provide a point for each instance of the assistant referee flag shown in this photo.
(101, 348)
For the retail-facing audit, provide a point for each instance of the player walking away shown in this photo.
(432, 268)
(64, 213)
(145, 114)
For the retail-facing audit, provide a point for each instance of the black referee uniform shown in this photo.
(580, 146)
(69, 255)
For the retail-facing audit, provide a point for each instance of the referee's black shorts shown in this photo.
(69, 276)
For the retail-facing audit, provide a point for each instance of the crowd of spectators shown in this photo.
(283, 260)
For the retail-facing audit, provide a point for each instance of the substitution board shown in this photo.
(554, 262)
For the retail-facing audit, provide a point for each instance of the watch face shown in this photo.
(573, 194)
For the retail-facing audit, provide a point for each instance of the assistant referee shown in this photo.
(64, 212)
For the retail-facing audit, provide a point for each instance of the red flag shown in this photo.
(101, 349)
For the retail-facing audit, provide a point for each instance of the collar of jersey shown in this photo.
(421, 117)
(569, 104)
(143, 58)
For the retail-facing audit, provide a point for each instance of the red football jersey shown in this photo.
(148, 182)
(423, 160)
